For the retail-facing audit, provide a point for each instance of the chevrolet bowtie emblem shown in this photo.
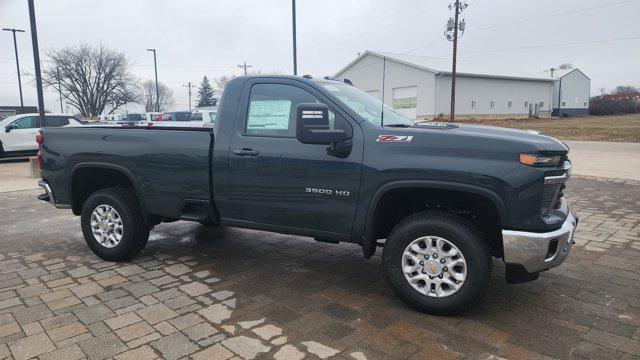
(432, 267)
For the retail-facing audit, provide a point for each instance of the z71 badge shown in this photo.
(394, 138)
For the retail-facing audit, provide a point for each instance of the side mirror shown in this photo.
(8, 128)
(313, 127)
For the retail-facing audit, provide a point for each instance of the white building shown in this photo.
(420, 87)
(571, 92)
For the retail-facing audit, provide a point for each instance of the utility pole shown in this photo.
(189, 86)
(59, 88)
(15, 47)
(36, 59)
(295, 50)
(155, 66)
(244, 66)
(451, 34)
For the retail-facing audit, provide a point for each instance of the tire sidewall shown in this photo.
(120, 251)
(478, 264)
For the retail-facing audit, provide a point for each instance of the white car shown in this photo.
(18, 132)
(207, 116)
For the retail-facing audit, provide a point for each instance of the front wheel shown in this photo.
(437, 262)
(112, 224)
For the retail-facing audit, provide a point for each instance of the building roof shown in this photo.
(443, 66)
(560, 73)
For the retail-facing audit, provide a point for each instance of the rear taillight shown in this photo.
(149, 123)
(40, 140)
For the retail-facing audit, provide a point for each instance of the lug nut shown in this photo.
(426, 256)
(430, 277)
(442, 261)
(445, 269)
(421, 262)
(440, 276)
(424, 271)
(435, 256)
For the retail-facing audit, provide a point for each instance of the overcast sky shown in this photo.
(197, 38)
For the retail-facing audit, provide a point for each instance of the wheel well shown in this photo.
(397, 204)
(88, 180)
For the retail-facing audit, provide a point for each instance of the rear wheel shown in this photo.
(437, 262)
(112, 224)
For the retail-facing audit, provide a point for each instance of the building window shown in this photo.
(526, 104)
(541, 104)
(585, 104)
(474, 104)
(563, 103)
(405, 103)
(492, 104)
(509, 104)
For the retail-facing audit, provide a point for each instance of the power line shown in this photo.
(556, 44)
(553, 15)
(538, 18)
(383, 25)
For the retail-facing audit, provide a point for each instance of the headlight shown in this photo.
(540, 160)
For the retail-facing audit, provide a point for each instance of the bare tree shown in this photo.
(149, 96)
(219, 84)
(566, 66)
(91, 77)
(625, 89)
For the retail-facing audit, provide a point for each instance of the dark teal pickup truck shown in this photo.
(320, 158)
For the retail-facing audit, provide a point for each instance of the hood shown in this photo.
(490, 136)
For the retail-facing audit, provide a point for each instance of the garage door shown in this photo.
(405, 101)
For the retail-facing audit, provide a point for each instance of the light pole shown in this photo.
(295, 56)
(36, 59)
(15, 47)
(155, 66)
(189, 86)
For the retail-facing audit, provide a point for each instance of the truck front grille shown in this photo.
(553, 189)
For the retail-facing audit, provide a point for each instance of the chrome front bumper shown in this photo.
(534, 251)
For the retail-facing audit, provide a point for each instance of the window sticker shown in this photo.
(269, 115)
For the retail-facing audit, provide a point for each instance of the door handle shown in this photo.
(245, 152)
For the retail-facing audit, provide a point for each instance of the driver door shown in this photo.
(277, 180)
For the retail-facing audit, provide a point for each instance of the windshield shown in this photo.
(367, 106)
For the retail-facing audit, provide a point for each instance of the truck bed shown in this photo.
(146, 154)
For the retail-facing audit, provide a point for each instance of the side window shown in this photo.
(272, 110)
(29, 122)
(212, 116)
(56, 121)
(197, 116)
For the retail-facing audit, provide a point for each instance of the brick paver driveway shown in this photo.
(224, 293)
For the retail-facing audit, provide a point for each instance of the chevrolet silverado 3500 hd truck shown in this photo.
(321, 158)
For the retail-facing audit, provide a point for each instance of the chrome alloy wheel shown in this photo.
(434, 266)
(106, 225)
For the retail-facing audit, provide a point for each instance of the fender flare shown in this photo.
(136, 188)
(369, 242)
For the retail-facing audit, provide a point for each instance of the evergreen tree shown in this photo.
(206, 94)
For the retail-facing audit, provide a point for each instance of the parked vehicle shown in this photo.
(206, 116)
(177, 116)
(18, 132)
(317, 158)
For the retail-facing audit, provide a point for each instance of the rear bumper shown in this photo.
(534, 252)
(49, 196)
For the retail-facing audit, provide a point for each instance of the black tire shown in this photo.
(135, 232)
(464, 236)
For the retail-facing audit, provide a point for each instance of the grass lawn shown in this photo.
(624, 128)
